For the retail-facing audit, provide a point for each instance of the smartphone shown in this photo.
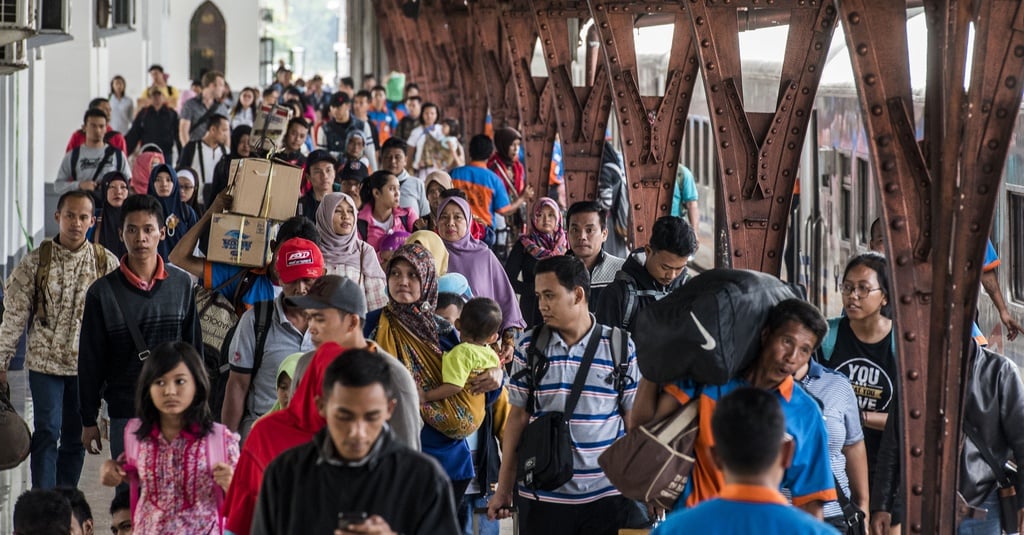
(349, 519)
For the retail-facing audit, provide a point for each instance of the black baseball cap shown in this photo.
(353, 170)
(339, 99)
(332, 291)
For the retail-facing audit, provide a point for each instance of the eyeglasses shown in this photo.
(187, 188)
(858, 290)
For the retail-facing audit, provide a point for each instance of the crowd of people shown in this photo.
(373, 378)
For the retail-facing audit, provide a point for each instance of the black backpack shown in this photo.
(710, 328)
(264, 311)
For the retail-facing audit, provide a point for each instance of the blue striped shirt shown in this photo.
(595, 422)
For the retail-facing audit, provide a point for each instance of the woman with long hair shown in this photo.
(179, 462)
(122, 107)
(244, 111)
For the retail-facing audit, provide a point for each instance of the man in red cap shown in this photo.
(266, 334)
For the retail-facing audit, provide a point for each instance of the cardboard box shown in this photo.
(264, 188)
(275, 121)
(240, 240)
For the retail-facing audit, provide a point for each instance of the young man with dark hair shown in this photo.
(408, 123)
(791, 334)
(347, 85)
(46, 293)
(197, 111)
(84, 165)
(393, 159)
(111, 137)
(128, 312)
(121, 513)
(750, 501)
(587, 232)
(333, 134)
(81, 514)
(203, 154)
(382, 118)
(361, 111)
(649, 274)
(42, 512)
(294, 140)
(159, 79)
(354, 473)
(320, 170)
(485, 192)
(588, 503)
(156, 123)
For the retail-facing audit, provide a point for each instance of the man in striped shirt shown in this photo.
(588, 503)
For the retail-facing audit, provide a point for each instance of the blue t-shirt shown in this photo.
(991, 262)
(216, 273)
(685, 190)
(744, 509)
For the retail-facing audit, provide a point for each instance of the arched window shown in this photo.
(206, 40)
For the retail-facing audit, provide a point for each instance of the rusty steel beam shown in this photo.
(581, 111)
(759, 153)
(470, 76)
(500, 87)
(533, 93)
(651, 126)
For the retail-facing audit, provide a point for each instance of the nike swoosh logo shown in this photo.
(709, 341)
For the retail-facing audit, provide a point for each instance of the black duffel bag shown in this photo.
(709, 329)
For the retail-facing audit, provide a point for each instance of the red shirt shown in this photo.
(137, 282)
(78, 139)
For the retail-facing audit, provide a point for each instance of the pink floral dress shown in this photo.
(177, 491)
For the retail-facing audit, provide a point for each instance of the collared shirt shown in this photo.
(744, 509)
(484, 190)
(328, 454)
(283, 339)
(137, 281)
(842, 421)
(809, 477)
(596, 421)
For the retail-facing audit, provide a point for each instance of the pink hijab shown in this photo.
(144, 164)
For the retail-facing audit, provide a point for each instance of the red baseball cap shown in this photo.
(299, 258)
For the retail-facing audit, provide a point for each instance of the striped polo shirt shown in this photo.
(595, 422)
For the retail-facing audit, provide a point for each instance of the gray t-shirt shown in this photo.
(283, 339)
(88, 159)
(405, 422)
(193, 110)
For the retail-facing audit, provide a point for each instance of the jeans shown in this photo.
(467, 518)
(989, 526)
(57, 450)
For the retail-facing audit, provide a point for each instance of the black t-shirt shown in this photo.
(872, 372)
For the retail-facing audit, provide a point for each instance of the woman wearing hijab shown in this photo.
(188, 187)
(505, 163)
(435, 245)
(149, 157)
(409, 328)
(545, 238)
(473, 259)
(239, 149)
(273, 434)
(107, 232)
(179, 217)
(344, 253)
(436, 183)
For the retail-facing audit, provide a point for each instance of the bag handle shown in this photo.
(670, 427)
(581, 374)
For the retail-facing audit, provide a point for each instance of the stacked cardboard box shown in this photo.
(264, 192)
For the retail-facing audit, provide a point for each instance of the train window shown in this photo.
(864, 198)
(845, 197)
(1015, 209)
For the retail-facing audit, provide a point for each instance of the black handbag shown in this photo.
(852, 514)
(1005, 479)
(545, 453)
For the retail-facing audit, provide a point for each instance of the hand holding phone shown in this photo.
(347, 519)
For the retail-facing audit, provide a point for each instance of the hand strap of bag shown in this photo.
(581, 374)
(133, 329)
(974, 434)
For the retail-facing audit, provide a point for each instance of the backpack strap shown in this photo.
(42, 279)
(101, 258)
(362, 226)
(536, 365)
(631, 296)
(131, 460)
(75, 153)
(217, 453)
(620, 358)
(107, 153)
(264, 312)
(828, 345)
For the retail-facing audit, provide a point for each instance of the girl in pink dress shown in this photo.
(179, 462)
